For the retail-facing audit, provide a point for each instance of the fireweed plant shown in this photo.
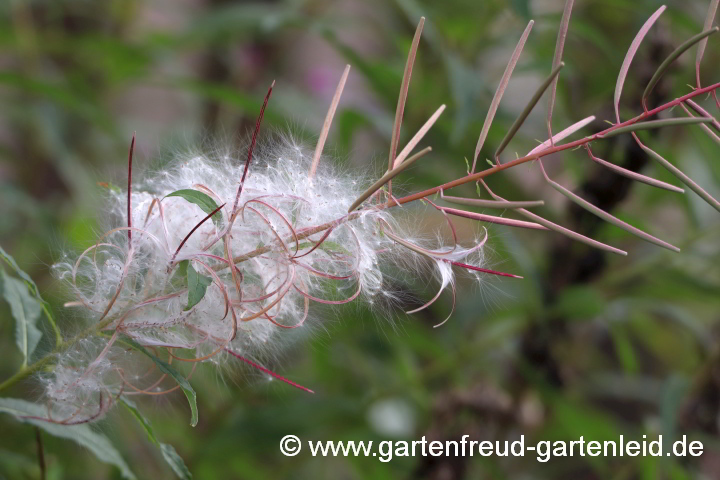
(215, 258)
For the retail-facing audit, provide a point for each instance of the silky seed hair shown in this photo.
(286, 277)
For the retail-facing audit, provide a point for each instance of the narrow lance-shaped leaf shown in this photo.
(504, 81)
(629, 58)
(671, 58)
(202, 200)
(528, 108)
(26, 311)
(172, 458)
(167, 369)
(559, 47)
(33, 288)
(197, 286)
(82, 434)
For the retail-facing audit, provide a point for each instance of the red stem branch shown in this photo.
(269, 372)
(548, 151)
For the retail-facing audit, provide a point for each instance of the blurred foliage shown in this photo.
(585, 345)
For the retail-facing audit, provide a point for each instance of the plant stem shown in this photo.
(558, 148)
(485, 173)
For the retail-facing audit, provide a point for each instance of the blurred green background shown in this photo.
(586, 344)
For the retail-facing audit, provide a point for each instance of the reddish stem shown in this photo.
(558, 148)
(269, 372)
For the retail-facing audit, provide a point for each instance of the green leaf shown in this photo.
(25, 310)
(169, 370)
(169, 454)
(182, 268)
(197, 286)
(179, 278)
(32, 287)
(82, 434)
(11, 261)
(175, 461)
(202, 200)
